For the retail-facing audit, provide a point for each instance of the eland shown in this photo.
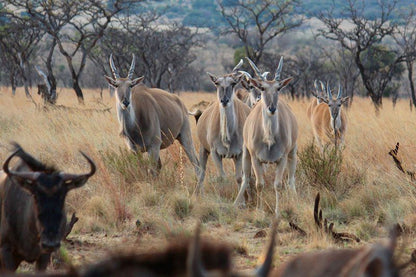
(150, 118)
(329, 121)
(270, 134)
(220, 126)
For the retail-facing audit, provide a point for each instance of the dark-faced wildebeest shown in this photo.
(32, 203)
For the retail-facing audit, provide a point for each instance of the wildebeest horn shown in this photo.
(255, 68)
(113, 68)
(68, 177)
(328, 89)
(237, 67)
(193, 263)
(26, 175)
(339, 91)
(264, 269)
(279, 69)
(131, 70)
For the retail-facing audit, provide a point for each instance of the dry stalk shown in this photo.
(394, 153)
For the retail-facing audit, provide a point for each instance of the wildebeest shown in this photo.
(270, 136)
(150, 118)
(32, 203)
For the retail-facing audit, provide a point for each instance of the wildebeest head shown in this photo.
(49, 188)
(123, 86)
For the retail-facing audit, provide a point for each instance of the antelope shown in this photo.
(270, 134)
(329, 121)
(150, 118)
(220, 126)
(32, 203)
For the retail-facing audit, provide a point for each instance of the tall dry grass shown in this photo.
(370, 193)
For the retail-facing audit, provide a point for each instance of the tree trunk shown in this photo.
(12, 83)
(409, 65)
(51, 77)
(78, 91)
(375, 97)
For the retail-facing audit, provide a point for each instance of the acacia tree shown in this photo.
(18, 44)
(256, 23)
(163, 55)
(358, 33)
(76, 25)
(342, 63)
(405, 38)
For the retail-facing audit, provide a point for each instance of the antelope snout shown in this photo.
(225, 101)
(272, 109)
(125, 102)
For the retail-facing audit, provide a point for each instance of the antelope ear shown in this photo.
(213, 78)
(136, 81)
(323, 99)
(256, 83)
(111, 81)
(344, 99)
(285, 82)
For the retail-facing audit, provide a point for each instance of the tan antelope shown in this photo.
(329, 121)
(315, 101)
(220, 126)
(150, 118)
(270, 135)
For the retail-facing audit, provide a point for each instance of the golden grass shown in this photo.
(122, 200)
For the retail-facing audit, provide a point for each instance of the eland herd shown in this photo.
(248, 122)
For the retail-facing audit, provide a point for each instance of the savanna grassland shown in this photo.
(121, 208)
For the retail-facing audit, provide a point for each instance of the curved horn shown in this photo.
(44, 77)
(264, 269)
(254, 67)
(245, 73)
(67, 177)
(237, 67)
(26, 175)
(113, 68)
(318, 93)
(328, 90)
(339, 91)
(193, 263)
(131, 70)
(265, 74)
(279, 69)
(322, 86)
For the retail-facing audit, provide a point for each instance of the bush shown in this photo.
(321, 169)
